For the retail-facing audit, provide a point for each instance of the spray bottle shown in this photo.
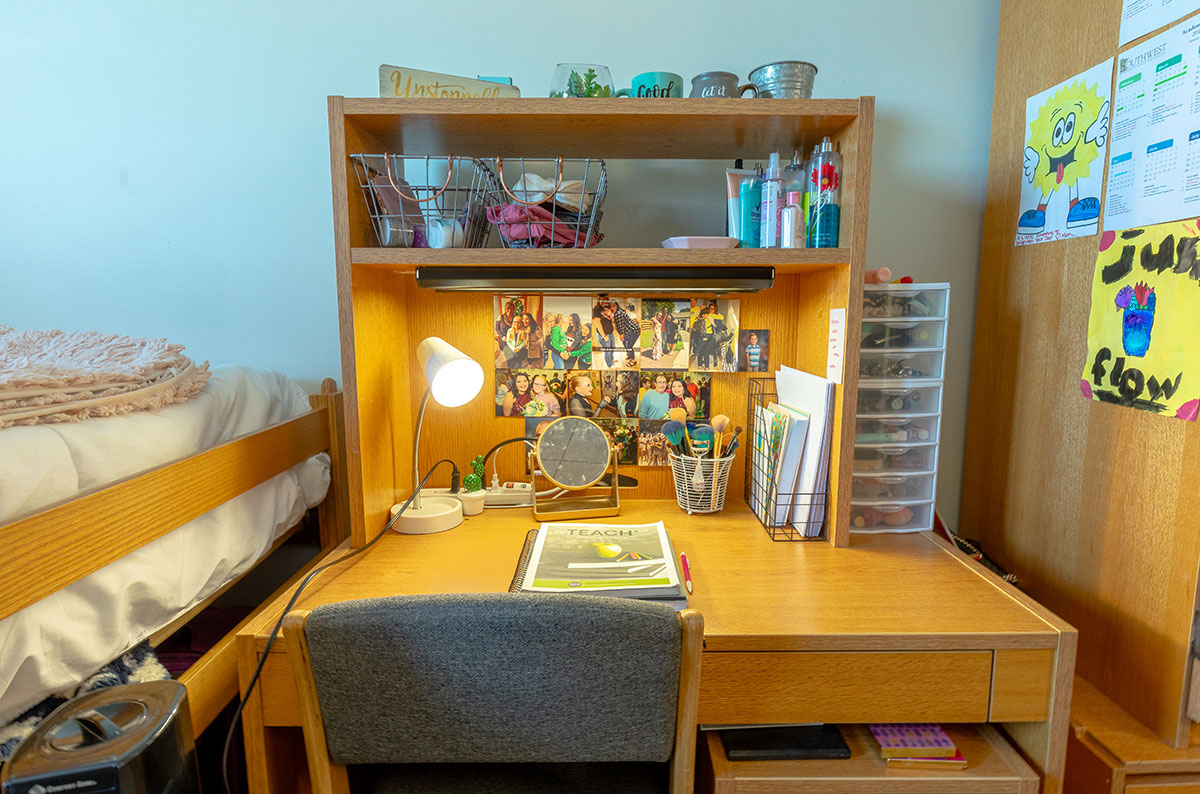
(772, 195)
(825, 192)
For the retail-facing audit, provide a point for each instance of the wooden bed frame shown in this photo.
(62, 543)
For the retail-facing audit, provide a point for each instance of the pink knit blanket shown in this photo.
(52, 376)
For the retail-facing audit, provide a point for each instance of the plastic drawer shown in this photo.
(895, 460)
(898, 365)
(893, 430)
(905, 300)
(892, 488)
(891, 517)
(893, 400)
(901, 334)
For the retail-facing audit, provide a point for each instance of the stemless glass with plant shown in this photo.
(581, 80)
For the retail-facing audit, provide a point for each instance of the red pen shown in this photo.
(687, 572)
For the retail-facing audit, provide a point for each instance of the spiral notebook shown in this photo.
(618, 560)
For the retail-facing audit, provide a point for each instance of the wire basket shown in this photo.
(700, 482)
(426, 202)
(561, 211)
(785, 513)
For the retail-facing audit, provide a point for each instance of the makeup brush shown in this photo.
(719, 423)
(675, 433)
(677, 414)
(737, 431)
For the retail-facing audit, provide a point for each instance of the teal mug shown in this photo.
(655, 85)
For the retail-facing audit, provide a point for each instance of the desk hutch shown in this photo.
(848, 629)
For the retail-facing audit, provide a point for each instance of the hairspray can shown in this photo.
(772, 204)
(824, 197)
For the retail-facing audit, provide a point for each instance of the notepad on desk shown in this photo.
(620, 560)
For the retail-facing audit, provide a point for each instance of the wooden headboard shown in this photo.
(1089, 503)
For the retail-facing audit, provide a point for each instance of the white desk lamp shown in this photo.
(454, 379)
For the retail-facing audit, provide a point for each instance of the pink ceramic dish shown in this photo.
(700, 242)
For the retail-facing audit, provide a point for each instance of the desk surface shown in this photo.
(882, 592)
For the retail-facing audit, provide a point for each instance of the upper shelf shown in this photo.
(699, 129)
(796, 260)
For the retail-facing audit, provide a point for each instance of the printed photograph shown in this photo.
(754, 349)
(517, 329)
(567, 332)
(616, 332)
(652, 444)
(584, 394)
(664, 341)
(659, 392)
(624, 435)
(618, 394)
(530, 393)
(714, 335)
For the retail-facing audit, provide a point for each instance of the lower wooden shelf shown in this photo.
(993, 767)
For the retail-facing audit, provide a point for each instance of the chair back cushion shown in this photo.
(496, 677)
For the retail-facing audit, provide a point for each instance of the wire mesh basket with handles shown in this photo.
(412, 205)
(539, 212)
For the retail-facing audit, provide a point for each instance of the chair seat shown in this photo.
(593, 778)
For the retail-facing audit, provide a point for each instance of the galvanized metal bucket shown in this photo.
(784, 80)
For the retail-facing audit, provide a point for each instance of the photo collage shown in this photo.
(623, 361)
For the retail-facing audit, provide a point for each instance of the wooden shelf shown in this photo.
(802, 260)
(614, 128)
(993, 766)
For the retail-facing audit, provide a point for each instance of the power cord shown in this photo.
(292, 602)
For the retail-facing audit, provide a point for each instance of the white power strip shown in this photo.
(511, 494)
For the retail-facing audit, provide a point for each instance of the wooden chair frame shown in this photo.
(54, 547)
(328, 777)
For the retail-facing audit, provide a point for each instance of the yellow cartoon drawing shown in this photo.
(1064, 140)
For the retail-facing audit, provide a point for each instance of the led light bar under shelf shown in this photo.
(575, 279)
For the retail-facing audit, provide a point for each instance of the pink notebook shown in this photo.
(913, 740)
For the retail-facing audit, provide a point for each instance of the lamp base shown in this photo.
(436, 514)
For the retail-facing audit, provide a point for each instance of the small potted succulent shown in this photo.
(472, 494)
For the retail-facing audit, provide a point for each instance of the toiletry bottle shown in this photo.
(795, 180)
(772, 195)
(750, 193)
(824, 204)
(791, 221)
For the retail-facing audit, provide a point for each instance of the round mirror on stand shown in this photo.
(574, 454)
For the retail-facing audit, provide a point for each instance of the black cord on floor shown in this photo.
(237, 715)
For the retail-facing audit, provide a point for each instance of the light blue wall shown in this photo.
(164, 167)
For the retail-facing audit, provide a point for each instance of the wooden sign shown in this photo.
(400, 81)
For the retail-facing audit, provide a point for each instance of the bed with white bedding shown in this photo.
(65, 636)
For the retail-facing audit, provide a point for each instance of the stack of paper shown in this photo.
(810, 396)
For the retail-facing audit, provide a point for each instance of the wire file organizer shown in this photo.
(426, 202)
(785, 513)
(533, 211)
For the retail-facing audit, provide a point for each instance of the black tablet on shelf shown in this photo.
(784, 743)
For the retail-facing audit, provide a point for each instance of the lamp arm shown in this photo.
(417, 446)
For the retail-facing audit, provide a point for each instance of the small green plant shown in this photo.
(586, 86)
(474, 480)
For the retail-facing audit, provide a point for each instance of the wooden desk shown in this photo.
(891, 628)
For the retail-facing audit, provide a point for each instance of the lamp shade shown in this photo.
(454, 378)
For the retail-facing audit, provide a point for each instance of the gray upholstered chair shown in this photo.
(497, 693)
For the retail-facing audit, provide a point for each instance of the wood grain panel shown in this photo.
(57, 546)
(1022, 683)
(1163, 784)
(1048, 483)
(792, 260)
(281, 703)
(844, 687)
(610, 128)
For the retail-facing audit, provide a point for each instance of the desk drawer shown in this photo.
(799, 686)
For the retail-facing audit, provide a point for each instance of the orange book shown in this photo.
(954, 762)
